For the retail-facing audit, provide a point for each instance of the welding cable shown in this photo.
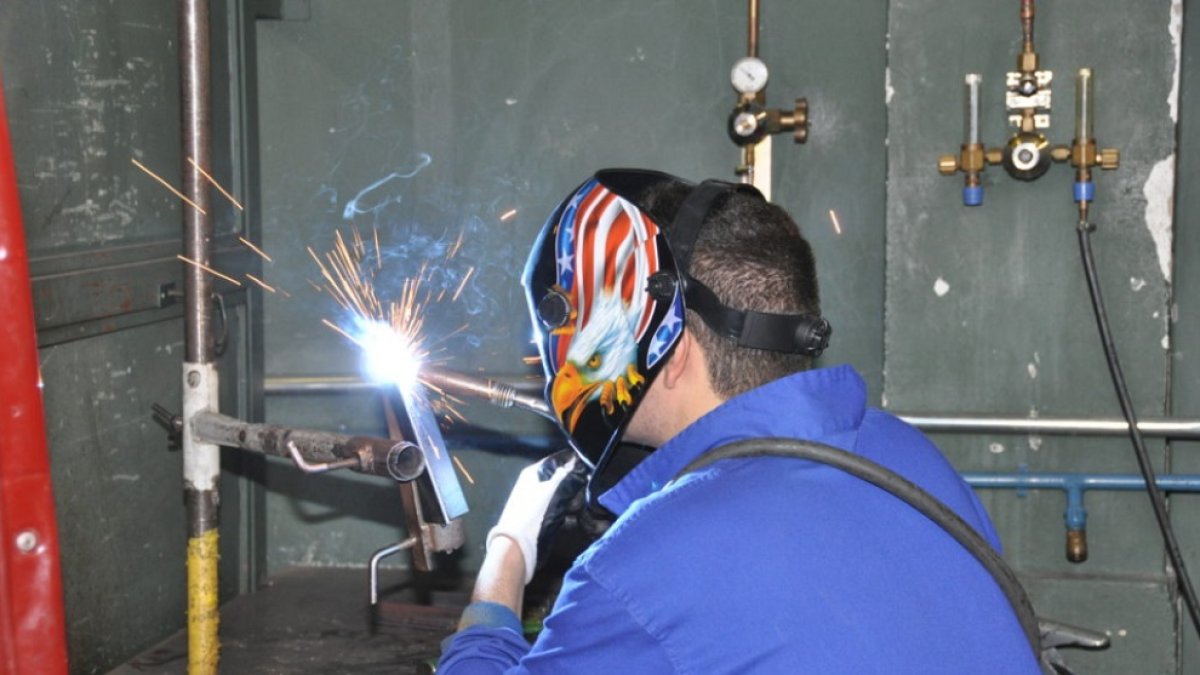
(1157, 500)
(905, 491)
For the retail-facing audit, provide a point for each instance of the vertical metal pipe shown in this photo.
(197, 128)
(753, 38)
(201, 461)
(1027, 13)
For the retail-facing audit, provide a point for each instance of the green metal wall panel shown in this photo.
(514, 104)
(987, 308)
(90, 86)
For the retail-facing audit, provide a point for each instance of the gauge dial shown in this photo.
(749, 75)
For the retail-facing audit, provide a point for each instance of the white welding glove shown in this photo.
(535, 494)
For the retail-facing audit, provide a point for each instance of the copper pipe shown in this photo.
(753, 41)
(1027, 25)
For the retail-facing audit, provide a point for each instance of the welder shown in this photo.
(685, 317)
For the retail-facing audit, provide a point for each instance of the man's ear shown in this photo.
(677, 363)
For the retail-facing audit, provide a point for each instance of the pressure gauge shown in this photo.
(749, 75)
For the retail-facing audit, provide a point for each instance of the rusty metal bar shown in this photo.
(394, 459)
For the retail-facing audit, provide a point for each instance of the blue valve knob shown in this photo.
(1085, 192)
(972, 195)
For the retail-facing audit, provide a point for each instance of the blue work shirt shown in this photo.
(771, 564)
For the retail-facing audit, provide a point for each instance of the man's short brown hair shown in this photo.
(752, 255)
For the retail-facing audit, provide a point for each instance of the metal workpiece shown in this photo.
(1183, 429)
(319, 450)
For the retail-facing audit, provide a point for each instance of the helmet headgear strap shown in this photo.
(792, 333)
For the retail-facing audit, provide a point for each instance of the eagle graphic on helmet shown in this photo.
(604, 333)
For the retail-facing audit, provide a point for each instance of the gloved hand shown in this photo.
(537, 504)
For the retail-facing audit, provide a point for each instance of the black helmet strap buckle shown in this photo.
(791, 333)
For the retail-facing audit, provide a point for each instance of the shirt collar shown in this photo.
(811, 404)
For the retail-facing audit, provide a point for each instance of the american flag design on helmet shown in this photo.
(605, 250)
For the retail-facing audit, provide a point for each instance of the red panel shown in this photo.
(32, 634)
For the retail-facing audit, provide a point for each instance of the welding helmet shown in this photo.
(607, 284)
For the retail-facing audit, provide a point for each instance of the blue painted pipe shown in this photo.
(1075, 484)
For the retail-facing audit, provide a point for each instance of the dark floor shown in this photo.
(319, 620)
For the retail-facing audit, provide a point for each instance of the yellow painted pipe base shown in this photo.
(203, 618)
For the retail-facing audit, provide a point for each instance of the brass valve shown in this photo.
(796, 121)
(1110, 158)
(1077, 548)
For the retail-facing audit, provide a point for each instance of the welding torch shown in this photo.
(497, 393)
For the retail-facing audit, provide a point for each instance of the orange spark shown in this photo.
(462, 284)
(260, 282)
(837, 227)
(216, 184)
(463, 469)
(167, 185)
(250, 245)
(208, 269)
(457, 245)
(507, 215)
(338, 329)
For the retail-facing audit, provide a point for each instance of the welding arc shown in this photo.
(897, 486)
(1139, 444)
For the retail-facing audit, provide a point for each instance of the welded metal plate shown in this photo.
(442, 498)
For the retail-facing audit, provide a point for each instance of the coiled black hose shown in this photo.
(1084, 231)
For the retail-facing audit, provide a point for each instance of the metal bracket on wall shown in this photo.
(82, 295)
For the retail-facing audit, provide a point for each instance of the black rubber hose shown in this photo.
(902, 489)
(1139, 445)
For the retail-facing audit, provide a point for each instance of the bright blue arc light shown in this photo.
(388, 356)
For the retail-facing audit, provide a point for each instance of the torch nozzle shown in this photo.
(497, 393)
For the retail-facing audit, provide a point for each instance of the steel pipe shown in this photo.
(194, 62)
(1184, 429)
(1177, 428)
(201, 461)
